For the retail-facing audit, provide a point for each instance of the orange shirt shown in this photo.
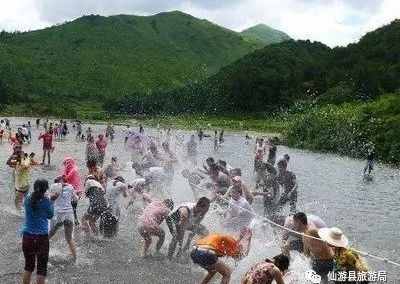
(223, 245)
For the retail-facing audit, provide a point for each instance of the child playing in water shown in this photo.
(150, 220)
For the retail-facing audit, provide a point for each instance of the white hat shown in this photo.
(334, 236)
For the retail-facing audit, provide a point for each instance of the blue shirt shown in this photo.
(36, 221)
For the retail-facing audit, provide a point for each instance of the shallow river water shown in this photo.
(330, 186)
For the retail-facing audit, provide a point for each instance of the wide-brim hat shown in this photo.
(334, 236)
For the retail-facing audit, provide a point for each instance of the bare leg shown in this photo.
(48, 157)
(40, 279)
(224, 270)
(27, 277)
(161, 238)
(93, 227)
(19, 196)
(208, 277)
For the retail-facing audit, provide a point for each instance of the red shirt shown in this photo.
(47, 141)
(101, 145)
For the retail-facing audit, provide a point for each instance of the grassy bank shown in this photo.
(350, 129)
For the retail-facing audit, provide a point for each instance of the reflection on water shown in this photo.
(329, 186)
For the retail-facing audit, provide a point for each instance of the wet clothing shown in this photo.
(35, 241)
(153, 215)
(22, 175)
(36, 221)
(322, 267)
(36, 253)
(203, 257)
(296, 241)
(71, 174)
(97, 202)
(113, 194)
(222, 245)
(260, 273)
(193, 224)
(47, 141)
(240, 214)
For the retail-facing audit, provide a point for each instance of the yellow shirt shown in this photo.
(22, 174)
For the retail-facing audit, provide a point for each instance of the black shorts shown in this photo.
(36, 252)
(203, 258)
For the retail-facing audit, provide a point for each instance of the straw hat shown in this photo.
(334, 236)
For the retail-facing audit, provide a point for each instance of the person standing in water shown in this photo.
(101, 145)
(191, 147)
(216, 140)
(92, 154)
(287, 180)
(71, 176)
(221, 138)
(35, 241)
(370, 162)
(64, 211)
(47, 145)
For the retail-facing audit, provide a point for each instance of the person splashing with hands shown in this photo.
(207, 253)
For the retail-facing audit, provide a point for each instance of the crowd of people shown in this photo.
(216, 187)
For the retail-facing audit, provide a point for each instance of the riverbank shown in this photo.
(349, 129)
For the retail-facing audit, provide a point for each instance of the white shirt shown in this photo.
(113, 195)
(66, 194)
(241, 210)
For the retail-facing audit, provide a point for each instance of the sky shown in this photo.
(333, 22)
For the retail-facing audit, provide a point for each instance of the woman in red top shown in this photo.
(208, 250)
(47, 145)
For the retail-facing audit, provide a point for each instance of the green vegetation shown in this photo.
(95, 57)
(265, 34)
(350, 129)
(281, 75)
(174, 69)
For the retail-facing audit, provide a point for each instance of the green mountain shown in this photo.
(280, 75)
(95, 57)
(265, 34)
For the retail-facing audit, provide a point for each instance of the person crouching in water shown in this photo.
(64, 212)
(208, 251)
(267, 271)
(150, 220)
(97, 204)
(186, 217)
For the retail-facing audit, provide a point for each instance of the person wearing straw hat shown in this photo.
(346, 259)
